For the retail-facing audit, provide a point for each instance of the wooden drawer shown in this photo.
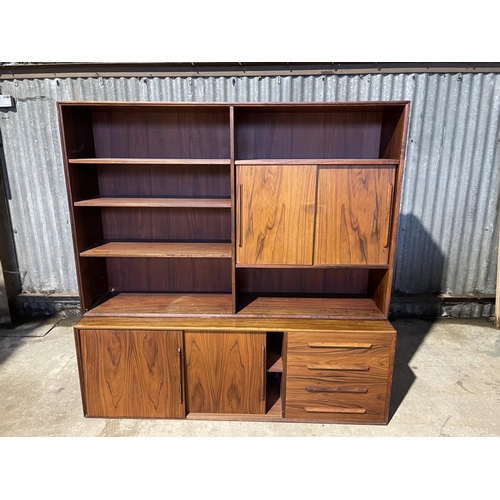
(339, 377)
(320, 399)
(343, 357)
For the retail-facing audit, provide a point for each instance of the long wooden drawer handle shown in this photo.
(356, 368)
(333, 409)
(332, 388)
(351, 345)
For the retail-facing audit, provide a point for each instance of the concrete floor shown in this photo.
(446, 383)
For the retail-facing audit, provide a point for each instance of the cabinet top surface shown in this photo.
(346, 104)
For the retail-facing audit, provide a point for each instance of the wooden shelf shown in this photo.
(149, 161)
(299, 307)
(276, 366)
(156, 202)
(169, 305)
(154, 249)
(165, 305)
(274, 360)
(312, 266)
(308, 161)
(231, 322)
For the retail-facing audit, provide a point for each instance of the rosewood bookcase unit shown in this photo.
(235, 260)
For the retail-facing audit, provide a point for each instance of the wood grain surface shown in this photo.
(353, 327)
(176, 180)
(305, 307)
(353, 213)
(336, 375)
(366, 400)
(156, 202)
(302, 280)
(225, 372)
(185, 199)
(149, 161)
(165, 305)
(134, 374)
(339, 362)
(188, 275)
(161, 133)
(307, 133)
(275, 211)
(190, 225)
(155, 249)
(319, 161)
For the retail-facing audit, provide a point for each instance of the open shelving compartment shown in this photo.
(309, 293)
(317, 193)
(275, 344)
(150, 189)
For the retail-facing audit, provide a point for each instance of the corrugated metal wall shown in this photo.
(447, 240)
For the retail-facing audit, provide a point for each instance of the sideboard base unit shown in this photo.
(327, 376)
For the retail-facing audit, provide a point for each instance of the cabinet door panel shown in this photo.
(225, 372)
(353, 213)
(134, 374)
(275, 214)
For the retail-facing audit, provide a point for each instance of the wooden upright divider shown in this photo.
(235, 260)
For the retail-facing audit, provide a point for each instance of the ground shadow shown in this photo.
(419, 274)
(25, 329)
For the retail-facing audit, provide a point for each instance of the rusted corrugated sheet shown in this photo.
(447, 240)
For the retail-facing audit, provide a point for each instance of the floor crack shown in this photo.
(442, 427)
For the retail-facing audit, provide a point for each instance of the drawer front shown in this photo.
(340, 356)
(350, 401)
(339, 377)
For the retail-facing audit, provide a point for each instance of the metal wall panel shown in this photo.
(447, 239)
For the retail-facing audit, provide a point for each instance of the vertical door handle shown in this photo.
(390, 196)
(181, 373)
(241, 216)
(263, 398)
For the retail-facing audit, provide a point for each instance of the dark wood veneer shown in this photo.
(261, 235)
(157, 133)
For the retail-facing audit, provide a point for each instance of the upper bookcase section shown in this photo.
(146, 131)
(322, 131)
(193, 132)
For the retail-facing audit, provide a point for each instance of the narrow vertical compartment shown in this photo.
(274, 373)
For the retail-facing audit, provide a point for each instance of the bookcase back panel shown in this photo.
(307, 135)
(84, 182)
(78, 134)
(169, 275)
(167, 224)
(93, 281)
(88, 227)
(161, 133)
(165, 180)
(289, 280)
